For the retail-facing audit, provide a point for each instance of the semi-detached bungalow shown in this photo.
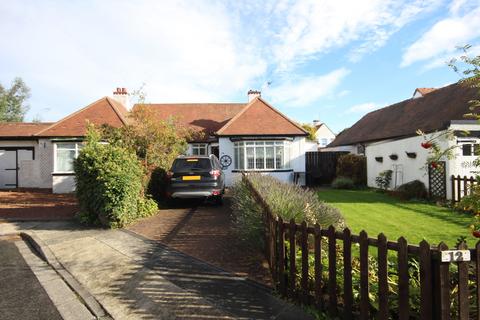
(388, 137)
(246, 137)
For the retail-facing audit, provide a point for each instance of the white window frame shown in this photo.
(241, 146)
(199, 146)
(78, 147)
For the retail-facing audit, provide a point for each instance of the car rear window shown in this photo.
(194, 164)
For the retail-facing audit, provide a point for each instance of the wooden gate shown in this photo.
(321, 166)
(437, 180)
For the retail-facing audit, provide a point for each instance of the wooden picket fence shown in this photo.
(461, 186)
(442, 284)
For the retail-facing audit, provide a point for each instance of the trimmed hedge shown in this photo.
(109, 184)
(412, 190)
(354, 167)
(285, 200)
(343, 183)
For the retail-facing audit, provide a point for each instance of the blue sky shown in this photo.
(328, 60)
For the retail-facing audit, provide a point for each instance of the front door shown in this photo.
(8, 169)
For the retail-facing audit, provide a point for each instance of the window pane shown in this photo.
(269, 158)
(64, 161)
(235, 158)
(250, 158)
(195, 151)
(68, 146)
(467, 149)
(279, 157)
(241, 158)
(260, 158)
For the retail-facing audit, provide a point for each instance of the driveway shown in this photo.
(205, 231)
(135, 278)
(36, 205)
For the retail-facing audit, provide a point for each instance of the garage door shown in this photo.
(8, 169)
(10, 160)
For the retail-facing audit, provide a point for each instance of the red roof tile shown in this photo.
(103, 111)
(424, 91)
(260, 118)
(21, 129)
(201, 117)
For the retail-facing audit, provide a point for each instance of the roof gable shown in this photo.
(432, 112)
(260, 118)
(103, 111)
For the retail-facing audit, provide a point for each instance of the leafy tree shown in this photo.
(311, 131)
(13, 101)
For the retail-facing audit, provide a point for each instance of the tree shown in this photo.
(13, 101)
(311, 131)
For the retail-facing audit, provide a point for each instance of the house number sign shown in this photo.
(455, 255)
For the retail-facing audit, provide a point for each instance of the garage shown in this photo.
(10, 164)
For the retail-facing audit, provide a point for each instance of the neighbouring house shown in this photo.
(388, 138)
(323, 134)
(247, 137)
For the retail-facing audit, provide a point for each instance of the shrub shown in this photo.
(354, 167)
(471, 202)
(288, 201)
(157, 184)
(343, 183)
(383, 180)
(412, 190)
(109, 184)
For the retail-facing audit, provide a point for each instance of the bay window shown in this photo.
(261, 155)
(65, 153)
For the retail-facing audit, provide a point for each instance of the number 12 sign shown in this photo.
(455, 255)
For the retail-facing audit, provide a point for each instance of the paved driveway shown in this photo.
(36, 205)
(205, 231)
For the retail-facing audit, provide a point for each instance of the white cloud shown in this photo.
(304, 91)
(314, 27)
(363, 108)
(439, 43)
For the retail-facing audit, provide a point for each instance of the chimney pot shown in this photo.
(121, 95)
(252, 94)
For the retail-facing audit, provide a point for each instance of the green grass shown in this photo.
(377, 212)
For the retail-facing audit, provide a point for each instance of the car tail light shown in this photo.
(216, 192)
(169, 175)
(215, 174)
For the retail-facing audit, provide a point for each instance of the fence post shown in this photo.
(463, 285)
(382, 277)
(347, 274)
(459, 191)
(477, 276)
(281, 255)
(442, 289)
(292, 257)
(403, 296)
(452, 179)
(318, 266)
(304, 244)
(332, 272)
(425, 281)
(364, 298)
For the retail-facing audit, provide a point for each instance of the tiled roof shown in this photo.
(21, 129)
(424, 91)
(429, 113)
(260, 118)
(103, 111)
(201, 117)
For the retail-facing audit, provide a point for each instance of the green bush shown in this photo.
(157, 184)
(412, 190)
(471, 202)
(288, 201)
(343, 183)
(354, 167)
(109, 184)
(383, 180)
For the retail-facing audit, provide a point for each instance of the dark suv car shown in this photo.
(196, 177)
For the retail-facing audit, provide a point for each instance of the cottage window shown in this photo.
(261, 155)
(199, 149)
(65, 153)
(467, 149)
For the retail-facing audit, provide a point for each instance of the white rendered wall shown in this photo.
(63, 184)
(324, 133)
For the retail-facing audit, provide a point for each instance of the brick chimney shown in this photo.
(121, 95)
(252, 94)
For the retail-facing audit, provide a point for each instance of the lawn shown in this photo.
(376, 212)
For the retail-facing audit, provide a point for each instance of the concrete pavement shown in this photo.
(135, 278)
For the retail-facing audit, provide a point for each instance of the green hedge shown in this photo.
(109, 184)
(354, 167)
(285, 200)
